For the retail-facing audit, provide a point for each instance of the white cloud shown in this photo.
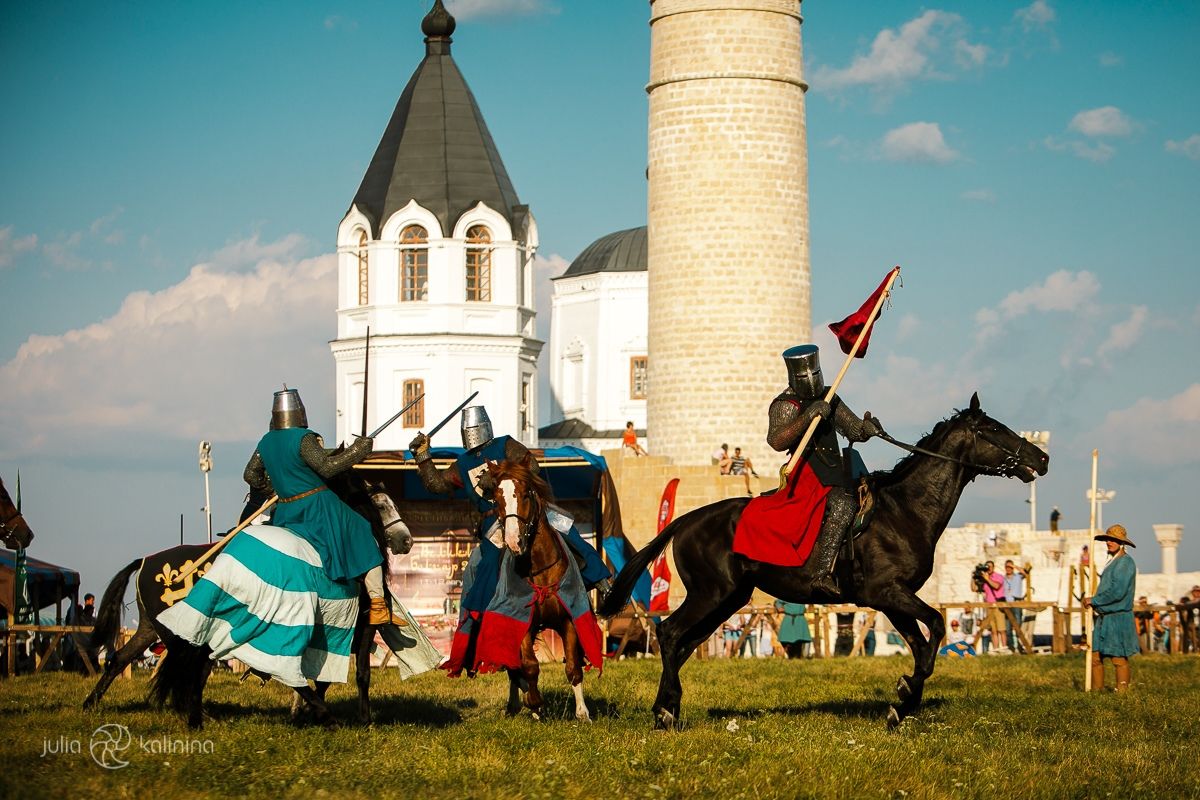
(11, 247)
(1036, 16)
(1157, 432)
(196, 360)
(1103, 121)
(335, 22)
(1062, 291)
(64, 252)
(1189, 147)
(1098, 152)
(909, 325)
(915, 52)
(918, 141)
(1110, 59)
(474, 9)
(1125, 334)
(980, 195)
(105, 222)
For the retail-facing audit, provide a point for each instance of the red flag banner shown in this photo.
(847, 330)
(660, 572)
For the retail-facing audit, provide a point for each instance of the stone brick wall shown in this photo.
(728, 220)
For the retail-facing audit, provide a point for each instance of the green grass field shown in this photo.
(1005, 727)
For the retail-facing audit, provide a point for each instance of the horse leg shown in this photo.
(904, 609)
(316, 702)
(679, 634)
(529, 671)
(117, 662)
(362, 673)
(514, 693)
(573, 652)
(195, 717)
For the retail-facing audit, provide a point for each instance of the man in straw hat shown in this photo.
(1115, 635)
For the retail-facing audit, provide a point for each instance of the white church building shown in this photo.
(435, 257)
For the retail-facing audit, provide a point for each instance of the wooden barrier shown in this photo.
(55, 632)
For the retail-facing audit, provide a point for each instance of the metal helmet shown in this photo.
(804, 370)
(476, 427)
(288, 411)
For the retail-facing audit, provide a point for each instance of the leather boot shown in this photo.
(1121, 665)
(380, 614)
(1097, 673)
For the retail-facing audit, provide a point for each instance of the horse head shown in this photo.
(995, 449)
(14, 530)
(396, 535)
(518, 494)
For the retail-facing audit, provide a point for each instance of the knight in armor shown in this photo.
(790, 415)
(292, 462)
(465, 473)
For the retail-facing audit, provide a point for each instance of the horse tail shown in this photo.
(180, 670)
(623, 584)
(108, 616)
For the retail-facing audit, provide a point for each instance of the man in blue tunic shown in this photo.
(1114, 635)
(465, 473)
(291, 460)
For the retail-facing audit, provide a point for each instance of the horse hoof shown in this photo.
(584, 717)
(664, 720)
(537, 717)
(893, 718)
(903, 689)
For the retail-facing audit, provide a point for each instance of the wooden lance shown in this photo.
(866, 330)
(1089, 625)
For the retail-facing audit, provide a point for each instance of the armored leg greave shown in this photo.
(840, 507)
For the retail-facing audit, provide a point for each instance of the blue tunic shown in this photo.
(1115, 634)
(341, 536)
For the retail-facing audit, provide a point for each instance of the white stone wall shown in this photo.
(598, 324)
(453, 345)
(728, 218)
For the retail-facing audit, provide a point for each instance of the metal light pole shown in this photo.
(1102, 496)
(206, 467)
(1039, 439)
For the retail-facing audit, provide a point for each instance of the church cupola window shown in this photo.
(637, 377)
(479, 264)
(414, 264)
(363, 275)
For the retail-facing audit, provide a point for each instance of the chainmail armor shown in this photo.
(328, 464)
(255, 475)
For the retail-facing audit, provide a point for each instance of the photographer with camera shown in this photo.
(991, 583)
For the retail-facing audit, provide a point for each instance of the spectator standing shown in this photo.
(630, 441)
(869, 636)
(794, 633)
(1055, 516)
(1014, 592)
(1148, 624)
(1114, 636)
(993, 592)
(844, 642)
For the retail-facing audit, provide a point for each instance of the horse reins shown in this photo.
(529, 527)
(6, 527)
(1011, 458)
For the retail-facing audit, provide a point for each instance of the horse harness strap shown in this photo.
(302, 495)
(1010, 459)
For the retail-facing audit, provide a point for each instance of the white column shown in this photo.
(1168, 539)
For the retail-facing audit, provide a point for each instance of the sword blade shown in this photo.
(451, 415)
(396, 416)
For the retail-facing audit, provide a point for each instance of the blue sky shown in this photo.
(173, 176)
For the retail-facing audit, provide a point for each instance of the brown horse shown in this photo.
(542, 560)
(14, 530)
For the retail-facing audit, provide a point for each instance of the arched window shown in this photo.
(414, 264)
(479, 264)
(363, 276)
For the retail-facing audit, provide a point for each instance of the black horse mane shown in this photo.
(930, 441)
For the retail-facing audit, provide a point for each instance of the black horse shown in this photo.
(892, 558)
(180, 681)
(14, 530)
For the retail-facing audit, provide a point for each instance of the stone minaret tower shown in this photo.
(728, 221)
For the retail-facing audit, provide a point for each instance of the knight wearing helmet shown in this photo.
(790, 415)
(465, 474)
(292, 461)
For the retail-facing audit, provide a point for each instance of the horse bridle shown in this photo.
(1006, 468)
(7, 528)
